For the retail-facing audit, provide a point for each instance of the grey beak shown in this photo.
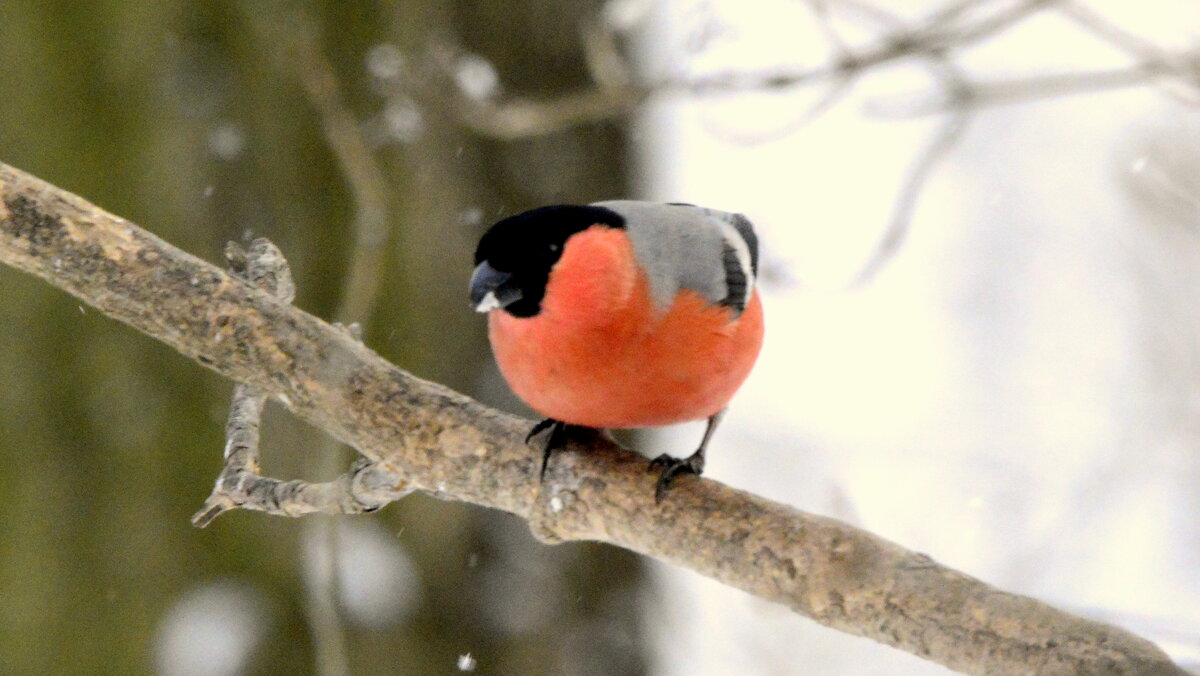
(490, 289)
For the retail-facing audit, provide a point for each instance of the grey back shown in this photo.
(682, 246)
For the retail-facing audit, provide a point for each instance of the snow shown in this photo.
(376, 583)
(211, 631)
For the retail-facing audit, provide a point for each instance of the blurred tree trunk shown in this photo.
(178, 116)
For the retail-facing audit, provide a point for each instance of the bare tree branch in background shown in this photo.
(292, 39)
(445, 444)
(936, 40)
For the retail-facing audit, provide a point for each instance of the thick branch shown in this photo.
(454, 447)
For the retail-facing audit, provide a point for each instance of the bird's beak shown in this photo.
(490, 289)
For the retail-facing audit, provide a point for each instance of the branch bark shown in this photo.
(453, 447)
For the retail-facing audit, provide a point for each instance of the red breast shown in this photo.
(601, 354)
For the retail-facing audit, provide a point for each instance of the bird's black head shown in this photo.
(514, 257)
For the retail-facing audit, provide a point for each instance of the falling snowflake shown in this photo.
(477, 77)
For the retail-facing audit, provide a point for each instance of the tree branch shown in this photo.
(449, 445)
(365, 488)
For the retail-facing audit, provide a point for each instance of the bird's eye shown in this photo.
(554, 247)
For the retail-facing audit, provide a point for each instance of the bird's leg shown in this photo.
(559, 431)
(693, 464)
(539, 428)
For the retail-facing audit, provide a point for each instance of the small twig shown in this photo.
(949, 131)
(606, 65)
(297, 50)
(518, 118)
(1132, 44)
(972, 32)
(822, 15)
(1179, 68)
(955, 88)
(1011, 91)
(241, 455)
(366, 487)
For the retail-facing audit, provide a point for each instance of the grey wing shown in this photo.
(681, 246)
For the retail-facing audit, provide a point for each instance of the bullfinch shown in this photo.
(622, 314)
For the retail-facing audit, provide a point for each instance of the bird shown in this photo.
(622, 314)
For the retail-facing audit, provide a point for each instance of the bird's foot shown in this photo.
(672, 467)
(539, 428)
(559, 432)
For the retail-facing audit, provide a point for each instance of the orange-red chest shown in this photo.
(601, 354)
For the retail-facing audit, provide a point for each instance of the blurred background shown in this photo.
(981, 232)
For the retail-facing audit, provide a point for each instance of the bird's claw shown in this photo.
(672, 467)
(556, 440)
(539, 428)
